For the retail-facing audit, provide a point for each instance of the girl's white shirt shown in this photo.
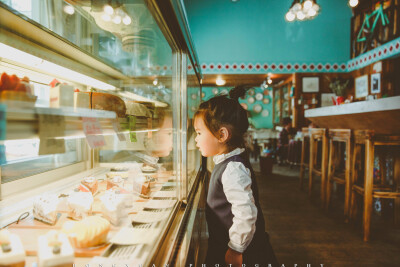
(236, 182)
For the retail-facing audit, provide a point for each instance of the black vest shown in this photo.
(219, 211)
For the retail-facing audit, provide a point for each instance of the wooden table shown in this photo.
(381, 115)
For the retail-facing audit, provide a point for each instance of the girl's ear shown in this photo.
(223, 134)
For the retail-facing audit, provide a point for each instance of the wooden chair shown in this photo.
(305, 151)
(368, 190)
(337, 137)
(318, 136)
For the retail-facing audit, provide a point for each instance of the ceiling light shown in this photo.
(269, 80)
(127, 20)
(14, 55)
(311, 12)
(155, 82)
(302, 10)
(106, 17)
(307, 4)
(353, 3)
(290, 16)
(70, 10)
(108, 9)
(117, 19)
(220, 82)
(300, 15)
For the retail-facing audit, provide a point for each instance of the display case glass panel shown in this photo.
(193, 100)
(94, 147)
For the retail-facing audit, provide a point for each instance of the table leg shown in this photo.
(368, 187)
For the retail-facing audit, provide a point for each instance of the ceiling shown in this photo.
(241, 79)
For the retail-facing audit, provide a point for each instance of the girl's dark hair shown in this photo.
(224, 111)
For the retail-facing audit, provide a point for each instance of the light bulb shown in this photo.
(220, 82)
(108, 9)
(315, 7)
(311, 12)
(155, 82)
(70, 10)
(307, 4)
(300, 15)
(269, 80)
(290, 16)
(296, 7)
(117, 19)
(353, 3)
(106, 17)
(127, 20)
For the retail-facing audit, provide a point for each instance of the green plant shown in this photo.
(339, 86)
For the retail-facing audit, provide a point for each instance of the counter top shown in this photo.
(389, 103)
(381, 115)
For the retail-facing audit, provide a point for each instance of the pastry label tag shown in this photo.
(93, 132)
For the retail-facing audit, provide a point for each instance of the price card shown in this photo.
(93, 132)
(51, 133)
(118, 130)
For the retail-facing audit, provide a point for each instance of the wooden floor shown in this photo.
(303, 233)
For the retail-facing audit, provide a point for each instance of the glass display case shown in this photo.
(97, 151)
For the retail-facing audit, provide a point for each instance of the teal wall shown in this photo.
(257, 119)
(255, 31)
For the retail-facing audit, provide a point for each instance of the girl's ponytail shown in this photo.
(238, 91)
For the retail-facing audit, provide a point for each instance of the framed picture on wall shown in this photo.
(361, 86)
(375, 83)
(310, 84)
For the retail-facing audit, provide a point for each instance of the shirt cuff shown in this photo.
(236, 247)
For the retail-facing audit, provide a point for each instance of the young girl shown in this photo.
(234, 216)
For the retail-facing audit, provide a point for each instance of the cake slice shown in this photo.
(54, 249)
(91, 184)
(91, 231)
(11, 252)
(45, 208)
(79, 205)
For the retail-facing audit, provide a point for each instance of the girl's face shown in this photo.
(207, 143)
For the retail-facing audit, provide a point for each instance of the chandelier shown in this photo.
(302, 10)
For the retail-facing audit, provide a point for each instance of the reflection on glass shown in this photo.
(194, 99)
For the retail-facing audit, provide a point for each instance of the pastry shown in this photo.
(141, 185)
(11, 252)
(115, 181)
(104, 101)
(79, 205)
(113, 207)
(136, 109)
(62, 96)
(91, 184)
(81, 99)
(54, 249)
(45, 208)
(148, 169)
(89, 232)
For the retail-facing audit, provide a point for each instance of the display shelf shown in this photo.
(23, 123)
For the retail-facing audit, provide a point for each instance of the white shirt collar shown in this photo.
(220, 158)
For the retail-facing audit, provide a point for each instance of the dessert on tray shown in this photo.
(79, 205)
(89, 232)
(45, 208)
(11, 252)
(55, 250)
